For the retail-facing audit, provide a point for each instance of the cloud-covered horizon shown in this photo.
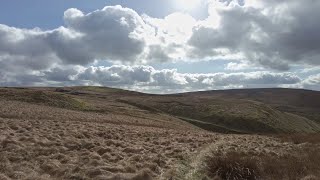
(147, 79)
(261, 41)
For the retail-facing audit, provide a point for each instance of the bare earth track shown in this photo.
(97, 133)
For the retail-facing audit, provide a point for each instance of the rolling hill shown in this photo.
(240, 111)
(230, 111)
(107, 133)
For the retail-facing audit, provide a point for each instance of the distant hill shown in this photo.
(243, 111)
(227, 111)
(302, 102)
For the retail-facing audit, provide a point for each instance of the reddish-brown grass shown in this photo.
(239, 166)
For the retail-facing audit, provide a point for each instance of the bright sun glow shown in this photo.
(187, 4)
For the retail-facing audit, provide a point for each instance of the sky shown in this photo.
(161, 46)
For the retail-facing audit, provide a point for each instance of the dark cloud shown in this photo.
(158, 54)
(276, 35)
(60, 74)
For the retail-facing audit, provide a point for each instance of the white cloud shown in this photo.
(272, 34)
(241, 66)
(148, 77)
(313, 80)
(269, 33)
(170, 79)
(112, 33)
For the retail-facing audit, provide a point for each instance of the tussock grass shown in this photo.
(65, 148)
(239, 166)
(48, 134)
(299, 138)
(232, 166)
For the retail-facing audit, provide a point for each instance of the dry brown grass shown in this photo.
(226, 115)
(239, 166)
(41, 140)
(232, 166)
(299, 138)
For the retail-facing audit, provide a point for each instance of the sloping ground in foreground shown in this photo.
(44, 142)
(253, 157)
(66, 144)
(103, 133)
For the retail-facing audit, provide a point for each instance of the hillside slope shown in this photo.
(230, 114)
(297, 101)
(230, 111)
(105, 133)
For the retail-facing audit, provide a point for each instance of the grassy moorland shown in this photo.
(106, 133)
(243, 111)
